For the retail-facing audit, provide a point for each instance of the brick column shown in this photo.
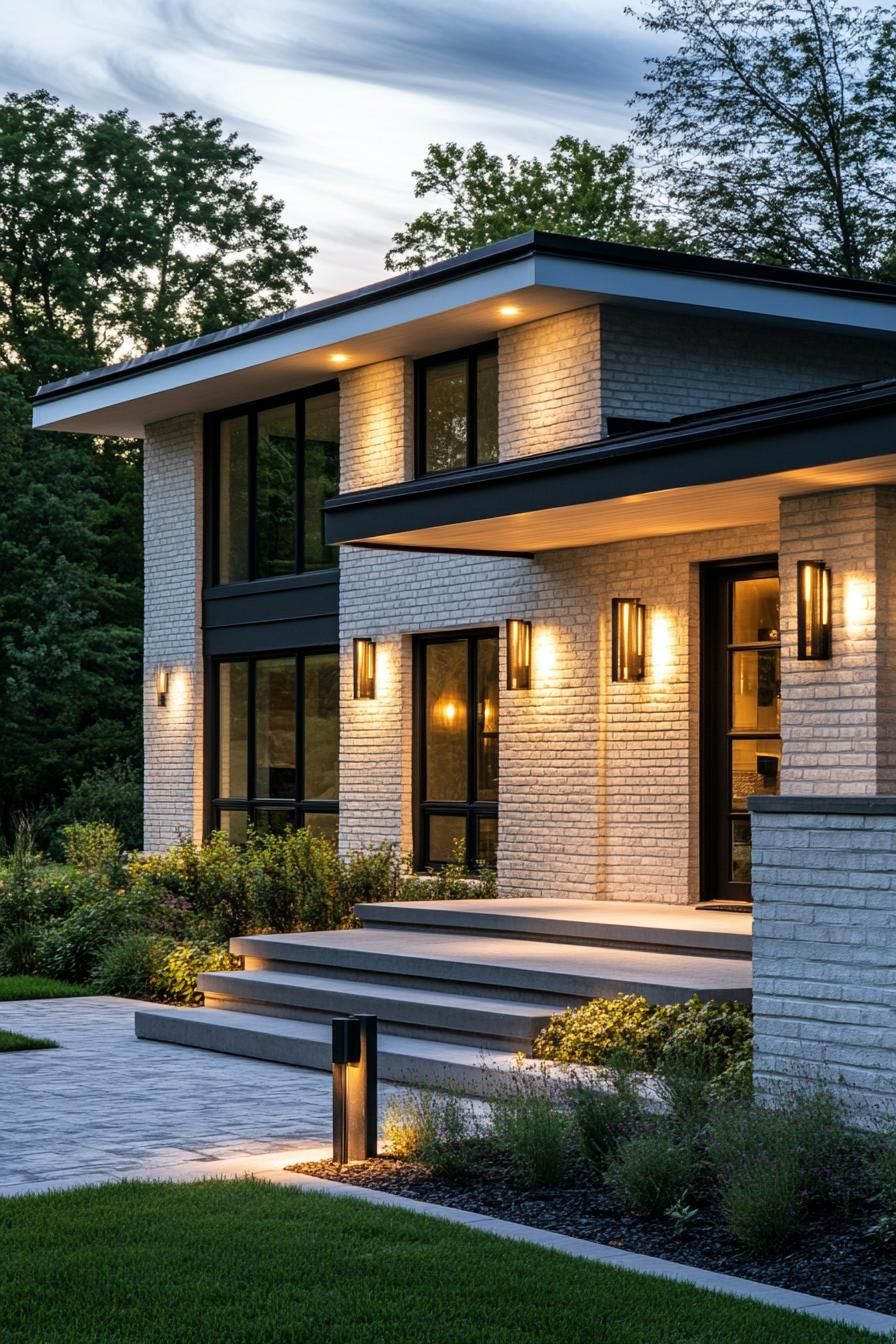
(839, 716)
(173, 734)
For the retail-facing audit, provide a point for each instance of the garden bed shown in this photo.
(834, 1258)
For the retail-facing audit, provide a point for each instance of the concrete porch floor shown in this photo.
(633, 923)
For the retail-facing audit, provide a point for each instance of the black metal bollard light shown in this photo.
(354, 1088)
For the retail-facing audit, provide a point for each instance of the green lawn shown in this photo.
(12, 1040)
(37, 987)
(242, 1262)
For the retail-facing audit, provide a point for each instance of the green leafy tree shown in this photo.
(114, 239)
(770, 130)
(578, 189)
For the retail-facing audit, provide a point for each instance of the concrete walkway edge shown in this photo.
(270, 1167)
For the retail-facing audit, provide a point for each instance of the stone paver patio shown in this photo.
(106, 1104)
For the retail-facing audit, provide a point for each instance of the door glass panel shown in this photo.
(233, 730)
(755, 616)
(444, 835)
(487, 721)
(446, 416)
(755, 768)
(756, 690)
(233, 500)
(487, 848)
(275, 728)
(322, 726)
(321, 473)
(741, 850)
(323, 823)
(275, 492)
(487, 408)
(446, 721)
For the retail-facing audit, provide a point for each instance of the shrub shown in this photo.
(175, 980)
(112, 794)
(602, 1119)
(881, 1172)
(70, 948)
(94, 847)
(531, 1126)
(18, 952)
(771, 1162)
(432, 1128)
(453, 882)
(626, 1030)
(653, 1171)
(708, 1038)
(130, 967)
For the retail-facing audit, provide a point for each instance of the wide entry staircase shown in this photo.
(459, 987)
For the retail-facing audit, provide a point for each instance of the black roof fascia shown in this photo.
(786, 436)
(484, 258)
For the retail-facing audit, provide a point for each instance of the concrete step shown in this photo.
(516, 969)
(402, 1059)
(463, 1018)
(633, 924)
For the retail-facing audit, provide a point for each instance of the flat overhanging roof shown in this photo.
(449, 304)
(722, 469)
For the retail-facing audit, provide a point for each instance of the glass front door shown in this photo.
(741, 717)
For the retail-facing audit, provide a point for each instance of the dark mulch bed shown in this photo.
(834, 1258)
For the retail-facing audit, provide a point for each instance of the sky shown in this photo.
(342, 101)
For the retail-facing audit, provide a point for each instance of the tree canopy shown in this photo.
(769, 132)
(115, 238)
(578, 189)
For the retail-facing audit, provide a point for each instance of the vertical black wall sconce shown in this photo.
(364, 669)
(628, 639)
(161, 687)
(813, 610)
(519, 655)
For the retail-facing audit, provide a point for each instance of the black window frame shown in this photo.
(472, 809)
(251, 410)
(251, 804)
(470, 353)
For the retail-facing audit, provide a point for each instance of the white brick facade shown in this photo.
(838, 715)
(173, 735)
(549, 384)
(824, 948)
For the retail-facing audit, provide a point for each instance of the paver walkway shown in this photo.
(108, 1104)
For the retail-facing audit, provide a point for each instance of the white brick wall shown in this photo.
(838, 715)
(549, 384)
(172, 527)
(376, 425)
(824, 950)
(598, 781)
(660, 364)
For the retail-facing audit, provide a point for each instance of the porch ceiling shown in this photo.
(716, 472)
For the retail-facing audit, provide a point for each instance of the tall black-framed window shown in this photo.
(456, 401)
(273, 463)
(456, 748)
(276, 743)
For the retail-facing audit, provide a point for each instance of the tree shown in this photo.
(579, 189)
(114, 239)
(770, 130)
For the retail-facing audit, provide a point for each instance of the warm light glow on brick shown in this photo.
(858, 604)
(544, 653)
(662, 646)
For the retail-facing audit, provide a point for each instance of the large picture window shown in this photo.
(457, 409)
(277, 759)
(274, 466)
(456, 732)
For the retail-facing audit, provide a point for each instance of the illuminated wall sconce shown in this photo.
(813, 610)
(365, 669)
(519, 655)
(161, 687)
(628, 639)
